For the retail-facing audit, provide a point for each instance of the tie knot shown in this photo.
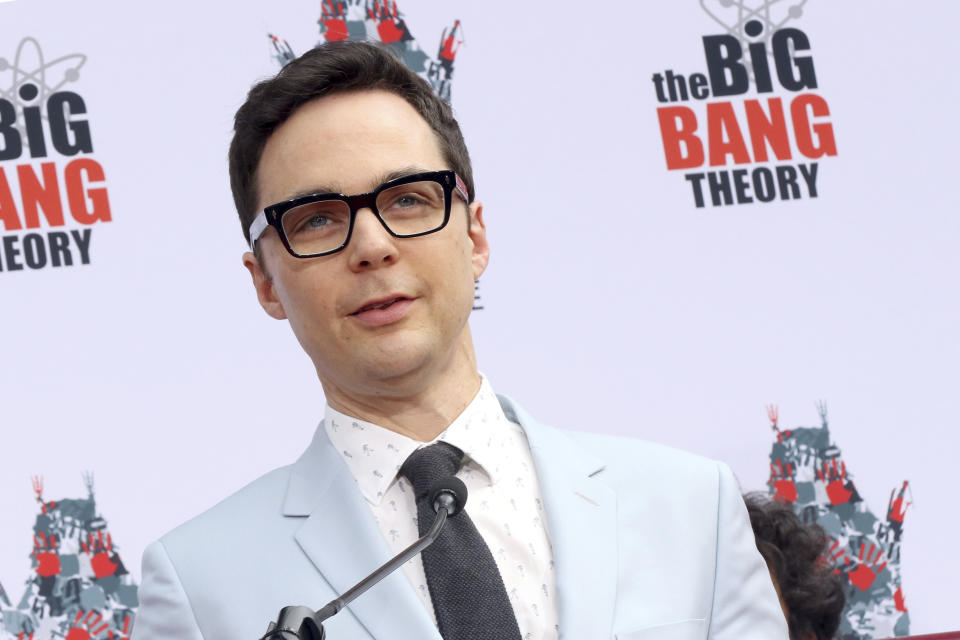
(428, 464)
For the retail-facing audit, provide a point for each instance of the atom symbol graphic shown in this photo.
(33, 79)
(758, 11)
(746, 19)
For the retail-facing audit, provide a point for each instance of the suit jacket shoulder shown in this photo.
(186, 572)
(228, 571)
(670, 479)
(235, 512)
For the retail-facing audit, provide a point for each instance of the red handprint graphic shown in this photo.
(46, 551)
(100, 548)
(38, 489)
(390, 26)
(897, 508)
(333, 24)
(87, 626)
(782, 479)
(870, 562)
(123, 634)
(282, 49)
(866, 571)
(773, 414)
(836, 479)
(835, 553)
(448, 49)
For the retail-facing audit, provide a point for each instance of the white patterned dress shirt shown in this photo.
(504, 500)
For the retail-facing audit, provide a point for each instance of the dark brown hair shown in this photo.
(794, 553)
(333, 67)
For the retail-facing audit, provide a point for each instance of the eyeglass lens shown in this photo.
(407, 209)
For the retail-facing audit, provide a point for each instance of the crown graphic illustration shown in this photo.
(79, 587)
(808, 471)
(382, 21)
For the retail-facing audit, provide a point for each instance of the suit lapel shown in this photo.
(341, 538)
(581, 515)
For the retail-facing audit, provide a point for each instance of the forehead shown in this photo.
(344, 143)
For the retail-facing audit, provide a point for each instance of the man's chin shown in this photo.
(396, 357)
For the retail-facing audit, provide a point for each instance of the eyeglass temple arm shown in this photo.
(257, 227)
(461, 188)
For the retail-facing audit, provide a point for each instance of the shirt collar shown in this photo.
(374, 454)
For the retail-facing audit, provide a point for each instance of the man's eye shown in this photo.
(312, 223)
(408, 200)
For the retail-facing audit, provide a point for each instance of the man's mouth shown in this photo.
(383, 312)
(379, 304)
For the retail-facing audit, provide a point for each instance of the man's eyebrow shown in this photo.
(377, 181)
(309, 191)
(399, 173)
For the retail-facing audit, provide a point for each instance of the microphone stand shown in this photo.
(302, 623)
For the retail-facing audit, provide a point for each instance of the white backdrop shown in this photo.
(612, 304)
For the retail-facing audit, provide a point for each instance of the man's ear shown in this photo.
(266, 293)
(478, 236)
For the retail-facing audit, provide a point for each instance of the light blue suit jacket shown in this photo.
(649, 543)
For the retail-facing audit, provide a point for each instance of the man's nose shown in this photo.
(371, 245)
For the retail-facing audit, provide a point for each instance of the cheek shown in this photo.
(306, 304)
(460, 284)
(456, 269)
(463, 249)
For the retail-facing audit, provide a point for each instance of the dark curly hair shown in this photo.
(813, 595)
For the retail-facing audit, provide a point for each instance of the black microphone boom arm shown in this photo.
(336, 604)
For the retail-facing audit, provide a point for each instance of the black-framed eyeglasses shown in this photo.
(321, 223)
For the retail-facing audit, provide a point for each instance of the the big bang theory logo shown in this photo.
(709, 124)
(52, 190)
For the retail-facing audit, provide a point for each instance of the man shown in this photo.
(561, 536)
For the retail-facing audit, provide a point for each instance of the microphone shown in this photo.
(447, 496)
(448, 493)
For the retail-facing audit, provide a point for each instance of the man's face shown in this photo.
(350, 143)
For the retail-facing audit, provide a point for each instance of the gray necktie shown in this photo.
(468, 595)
